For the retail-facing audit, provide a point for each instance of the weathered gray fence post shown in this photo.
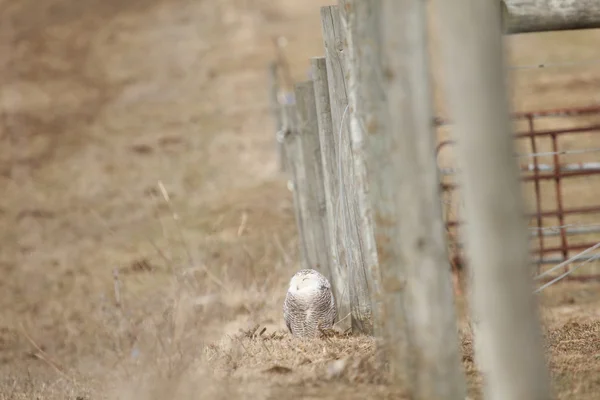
(365, 277)
(370, 284)
(497, 242)
(276, 111)
(394, 124)
(351, 231)
(311, 190)
(339, 279)
(295, 170)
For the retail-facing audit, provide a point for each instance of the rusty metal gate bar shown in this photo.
(538, 195)
(536, 173)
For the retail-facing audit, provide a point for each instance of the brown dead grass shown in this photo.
(103, 100)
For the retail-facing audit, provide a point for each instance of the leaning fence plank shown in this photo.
(369, 278)
(521, 16)
(327, 142)
(333, 40)
(394, 113)
(295, 169)
(497, 242)
(345, 247)
(276, 110)
(313, 193)
(351, 230)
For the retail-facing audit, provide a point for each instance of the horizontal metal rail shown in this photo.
(557, 112)
(550, 232)
(591, 167)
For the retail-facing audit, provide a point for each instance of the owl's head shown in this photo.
(306, 281)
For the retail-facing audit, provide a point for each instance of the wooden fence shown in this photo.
(358, 144)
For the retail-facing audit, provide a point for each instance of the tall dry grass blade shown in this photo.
(176, 219)
(117, 288)
(284, 253)
(184, 243)
(112, 232)
(42, 355)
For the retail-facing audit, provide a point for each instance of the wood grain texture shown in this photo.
(295, 171)
(339, 280)
(351, 229)
(365, 278)
(522, 16)
(311, 189)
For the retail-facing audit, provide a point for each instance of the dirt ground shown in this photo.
(146, 234)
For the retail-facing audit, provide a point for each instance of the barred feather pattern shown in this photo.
(309, 304)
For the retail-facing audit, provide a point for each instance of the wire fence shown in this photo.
(557, 153)
(367, 183)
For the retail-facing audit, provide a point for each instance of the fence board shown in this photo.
(312, 193)
(350, 230)
(295, 169)
(339, 280)
(364, 277)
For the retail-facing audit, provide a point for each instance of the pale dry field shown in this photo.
(104, 99)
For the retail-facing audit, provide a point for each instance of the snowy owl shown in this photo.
(309, 304)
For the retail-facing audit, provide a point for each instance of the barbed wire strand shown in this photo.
(544, 154)
(561, 152)
(564, 275)
(555, 64)
(555, 228)
(566, 262)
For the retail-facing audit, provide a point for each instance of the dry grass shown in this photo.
(103, 293)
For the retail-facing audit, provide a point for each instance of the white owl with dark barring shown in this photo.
(309, 304)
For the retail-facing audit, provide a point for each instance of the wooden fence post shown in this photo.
(312, 189)
(339, 278)
(276, 111)
(365, 277)
(394, 124)
(497, 242)
(351, 231)
(295, 169)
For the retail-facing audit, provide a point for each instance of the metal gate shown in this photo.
(558, 152)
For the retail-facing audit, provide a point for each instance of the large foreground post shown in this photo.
(393, 125)
(507, 334)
